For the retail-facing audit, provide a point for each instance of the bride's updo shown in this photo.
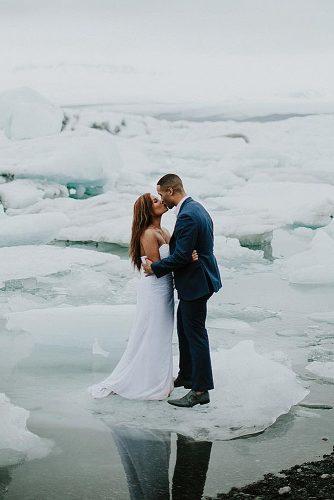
(142, 219)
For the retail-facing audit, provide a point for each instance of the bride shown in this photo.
(145, 370)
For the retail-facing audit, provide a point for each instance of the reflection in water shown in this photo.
(5, 479)
(145, 457)
(192, 462)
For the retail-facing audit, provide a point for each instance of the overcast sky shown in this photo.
(214, 36)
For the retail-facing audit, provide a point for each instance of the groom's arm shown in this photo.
(187, 231)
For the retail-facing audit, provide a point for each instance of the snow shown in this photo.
(25, 114)
(15, 437)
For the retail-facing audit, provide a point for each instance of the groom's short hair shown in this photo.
(171, 180)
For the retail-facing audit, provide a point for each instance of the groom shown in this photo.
(195, 283)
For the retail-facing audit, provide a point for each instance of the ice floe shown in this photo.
(31, 229)
(21, 193)
(92, 327)
(252, 391)
(16, 441)
(84, 157)
(20, 262)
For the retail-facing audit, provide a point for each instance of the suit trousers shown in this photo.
(195, 361)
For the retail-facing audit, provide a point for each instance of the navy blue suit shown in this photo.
(195, 283)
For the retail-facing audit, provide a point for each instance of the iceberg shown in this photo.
(25, 114)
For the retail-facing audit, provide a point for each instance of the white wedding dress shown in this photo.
(145, 371)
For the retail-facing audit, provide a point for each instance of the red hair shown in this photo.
(142, 219)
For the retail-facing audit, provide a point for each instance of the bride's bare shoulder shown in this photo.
(149, 234)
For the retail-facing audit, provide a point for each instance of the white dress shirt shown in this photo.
(178, 206)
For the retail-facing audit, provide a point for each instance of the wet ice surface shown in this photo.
(65, 313)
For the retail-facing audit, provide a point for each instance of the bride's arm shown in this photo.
(150, 245)
(166, 234)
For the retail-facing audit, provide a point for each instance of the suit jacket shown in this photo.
(193, 230)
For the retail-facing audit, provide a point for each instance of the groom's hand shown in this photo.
(147, 267)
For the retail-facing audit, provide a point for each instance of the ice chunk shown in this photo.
(20, 262)
(282, 203)
(98, 351)
(250, 314)
(313, 266)
(24, 114)
(102, 218)
(323, 369)
(252, 391)
(329, 229)
(21, 193)
(81, 326)
(287, 242)
(117, 231)
(15, 437)
(230, 253)
(85, 157)
(31, 229)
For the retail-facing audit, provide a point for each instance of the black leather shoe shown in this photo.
(181, 382)
(191, 399)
